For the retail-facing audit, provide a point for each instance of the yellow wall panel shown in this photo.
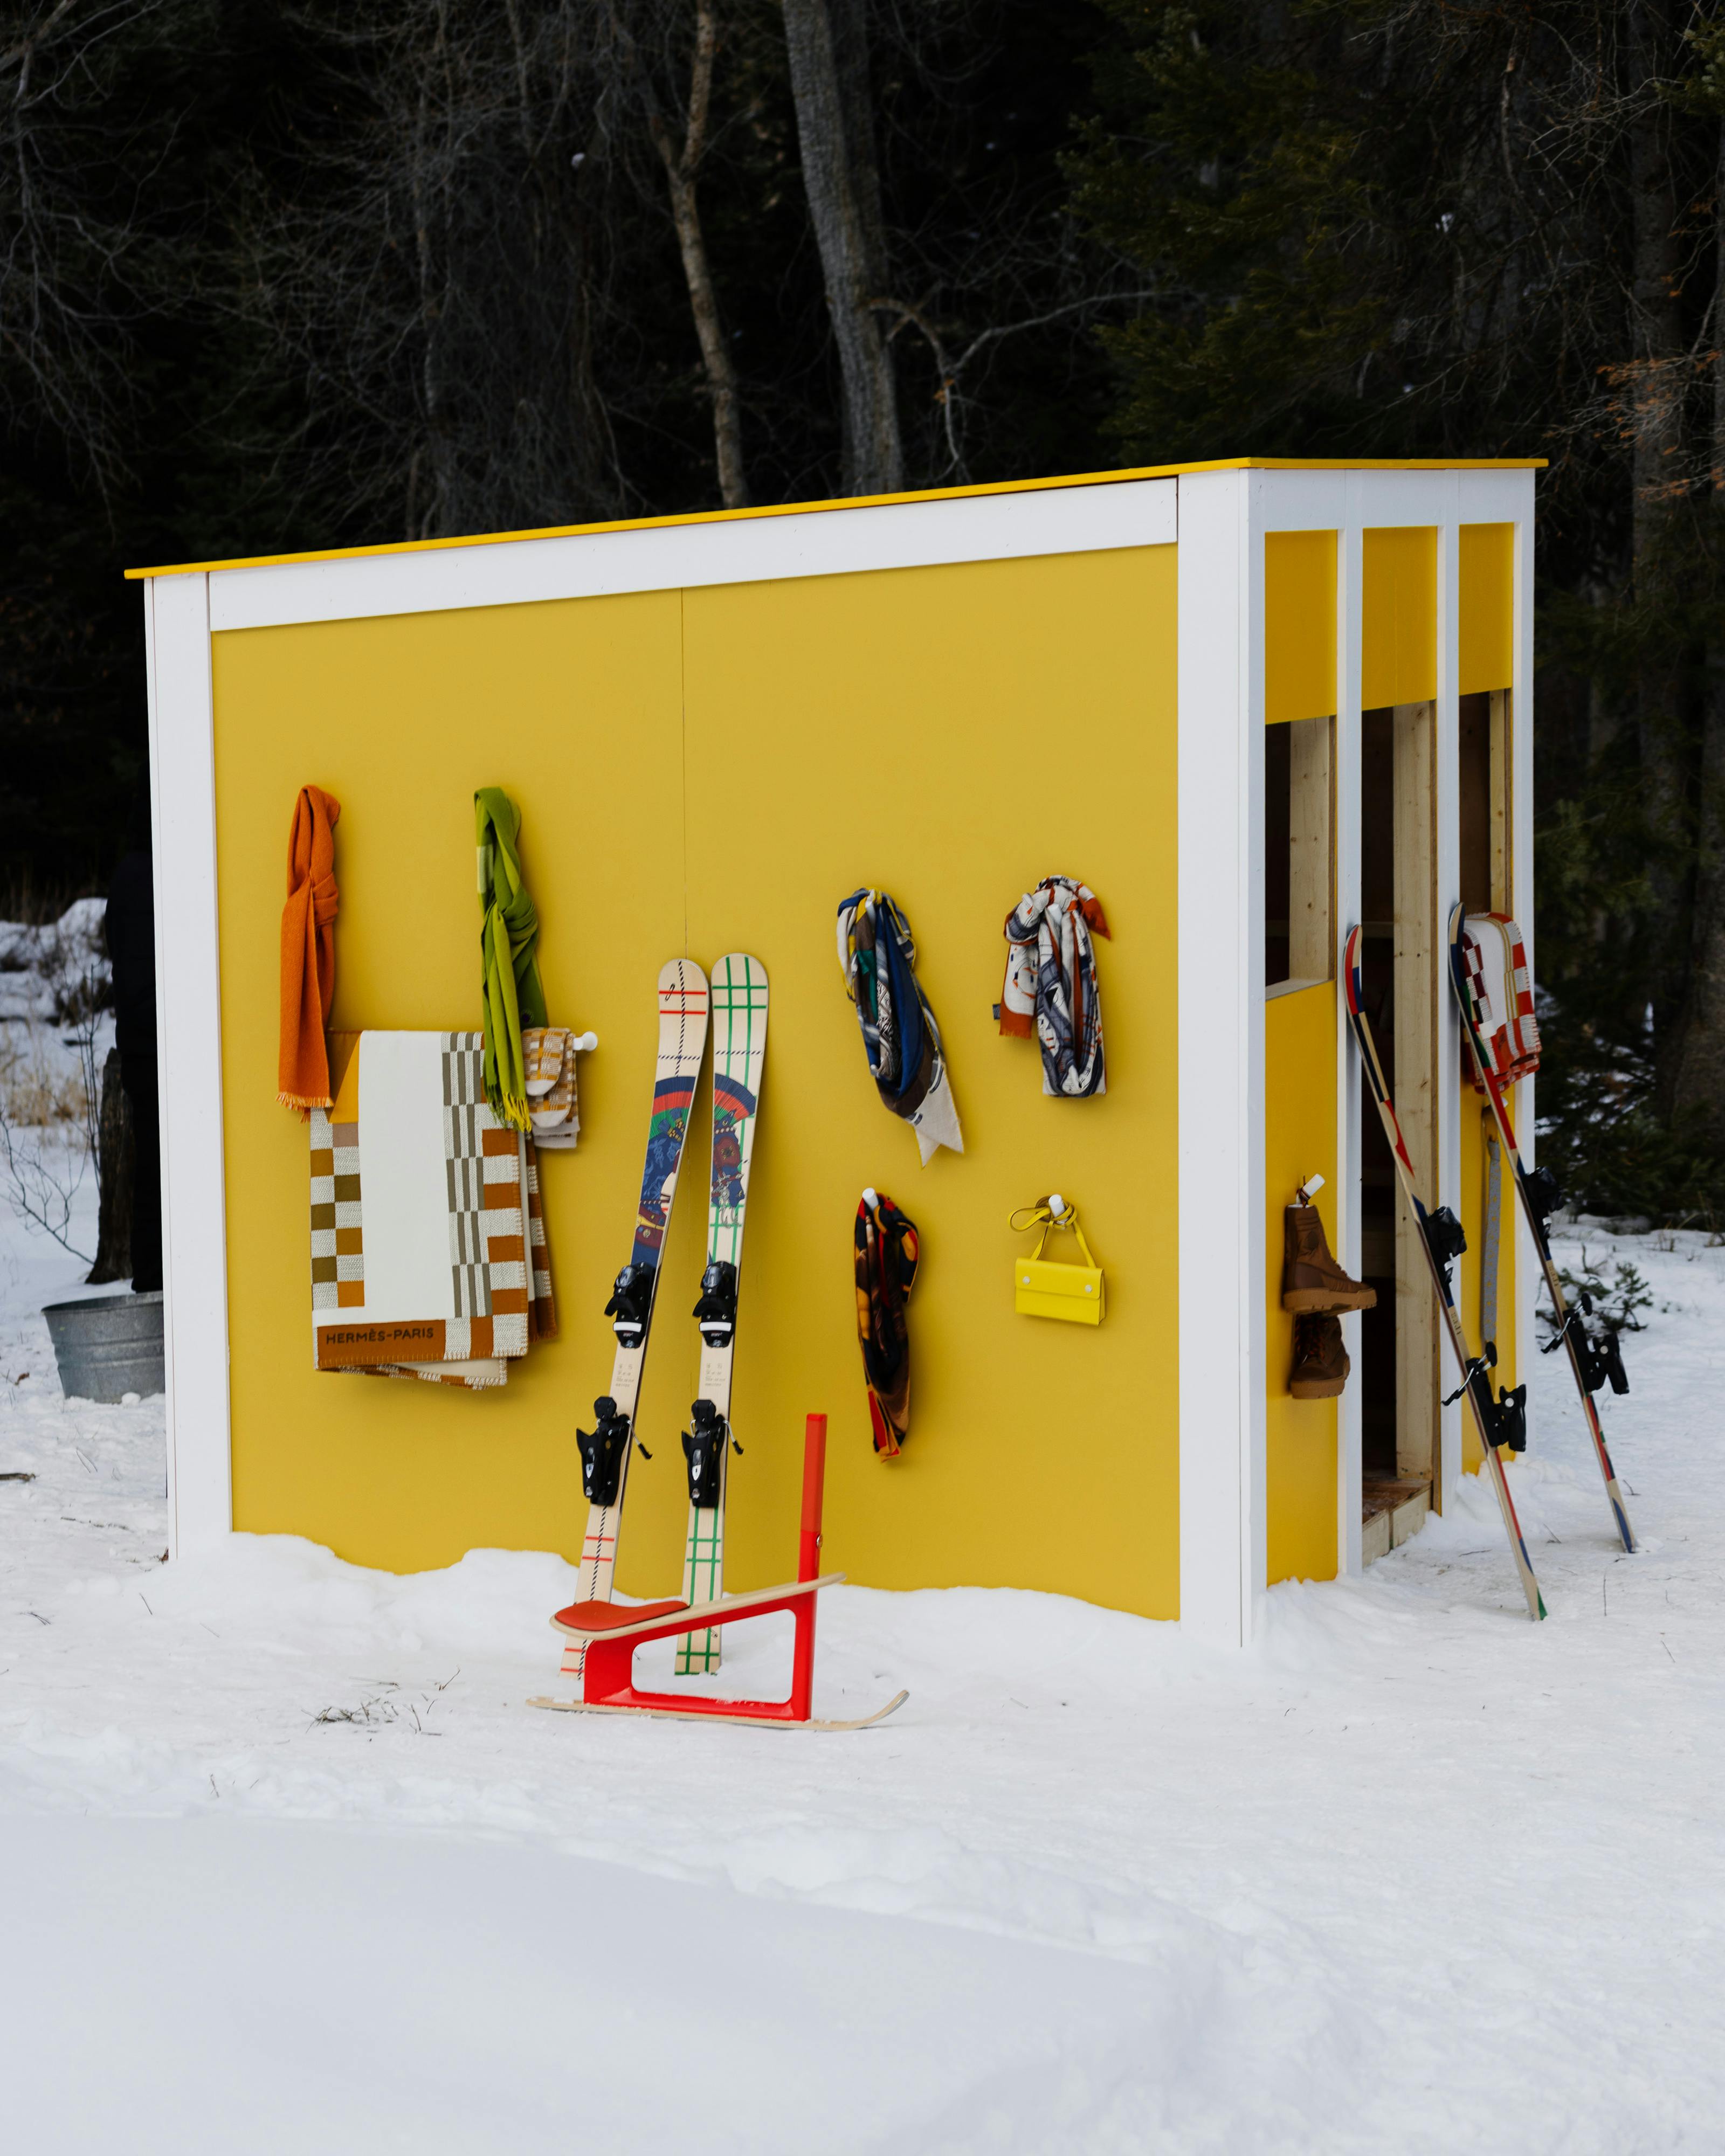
(714, 771)
(1488, 607)
(1398, 608)
(1299, 625)
(1299, 1141)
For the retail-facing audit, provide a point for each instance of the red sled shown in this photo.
(613, 1630)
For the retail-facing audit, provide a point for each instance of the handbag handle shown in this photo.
(1053, 1211)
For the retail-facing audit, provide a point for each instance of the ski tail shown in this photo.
(1590, 1363)
(1499, 1421)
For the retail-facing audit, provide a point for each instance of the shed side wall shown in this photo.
(726, 765)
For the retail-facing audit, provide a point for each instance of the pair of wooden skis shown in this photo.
(737, 999)
(1500, 1420)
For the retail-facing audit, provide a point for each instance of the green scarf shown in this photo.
(509, 929)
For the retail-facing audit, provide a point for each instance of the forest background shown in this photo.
(281, 275)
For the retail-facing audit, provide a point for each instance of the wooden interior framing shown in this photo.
(1503, 799)
(1310, 855)
(1416, 1035)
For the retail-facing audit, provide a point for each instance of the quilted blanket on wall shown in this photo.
(429, 1257)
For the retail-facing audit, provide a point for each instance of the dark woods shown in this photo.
(278, 275)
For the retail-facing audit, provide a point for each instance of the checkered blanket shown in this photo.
(429, 1256)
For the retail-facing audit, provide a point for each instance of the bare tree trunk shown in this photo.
(1698, 1080)
(681, 166)
(827, 42)
(114, 1164)
(1658, 391)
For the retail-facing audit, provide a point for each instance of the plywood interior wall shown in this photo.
(701, 773)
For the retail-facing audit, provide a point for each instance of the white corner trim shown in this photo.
(1221, 1004)
(1350, 1092)
(1446, 809)
(1519, 510)
(188, 1034)
(1072, 519)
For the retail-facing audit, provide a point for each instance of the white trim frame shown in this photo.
(1528, 1277)
(909, 535)
(188, 1036)
(184, 610)
(1224, 1409)
(1221, 1053)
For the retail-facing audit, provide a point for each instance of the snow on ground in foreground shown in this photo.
(1412, 1874)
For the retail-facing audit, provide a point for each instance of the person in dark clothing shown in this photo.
(132, 952)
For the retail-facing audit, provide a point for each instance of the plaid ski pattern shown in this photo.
(739, 1008)
(1495, 960)
(338, 1269)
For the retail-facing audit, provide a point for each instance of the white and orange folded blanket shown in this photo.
(428, 1253)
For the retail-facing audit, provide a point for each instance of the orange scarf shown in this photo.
(308, 951)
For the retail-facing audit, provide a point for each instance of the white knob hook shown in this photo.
(586, 1042)
(871, 1199)
(1056, 1204)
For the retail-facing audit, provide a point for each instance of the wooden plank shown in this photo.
(1409, 1516)
(1502, 821)
(1374, 1539)
(1311, 856)
(735, 1721)
(1415, 1080)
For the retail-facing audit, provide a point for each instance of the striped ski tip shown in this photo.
(1352, 982)
(682, 989)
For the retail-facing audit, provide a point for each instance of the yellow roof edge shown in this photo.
(854, 501)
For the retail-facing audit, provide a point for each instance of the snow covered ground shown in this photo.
(289, 1866)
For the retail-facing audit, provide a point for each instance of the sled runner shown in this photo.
(609, 1632)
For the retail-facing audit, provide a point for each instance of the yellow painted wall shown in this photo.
(1398, 627)
(1473, 1218)
(1299, 1140)
(711, 770)
(1486, 628)
(1299, 625)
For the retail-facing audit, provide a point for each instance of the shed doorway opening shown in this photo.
(1398, 1339)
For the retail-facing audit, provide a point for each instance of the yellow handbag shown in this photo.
(1041, 1288)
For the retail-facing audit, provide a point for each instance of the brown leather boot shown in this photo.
(1320, 1364)
(1310, 1278)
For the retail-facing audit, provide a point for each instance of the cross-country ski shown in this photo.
(1594, 1362)
(1501, 1421)
(739, 1026)
(606, 1449)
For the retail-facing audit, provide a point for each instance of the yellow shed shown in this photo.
(1249, 703)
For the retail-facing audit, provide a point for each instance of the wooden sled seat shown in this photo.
(587, 1620)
